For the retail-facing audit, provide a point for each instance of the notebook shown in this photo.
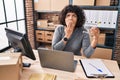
(57, 59)
(95, 68)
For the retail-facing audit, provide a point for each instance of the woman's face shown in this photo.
(71, 19)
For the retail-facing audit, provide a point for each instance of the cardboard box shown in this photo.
(36, 5)
(44, 5)
(103, 2)
(10, 66)
(58, 5)
(101, 39)
(51, 26)
(48, 36)
(102, 53)
(83, 2)
(44, 36)
(55, 19)
(40, 35)
(42, 23)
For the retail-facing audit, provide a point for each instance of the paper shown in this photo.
(42, 76)
(95, 68)
(105, 18)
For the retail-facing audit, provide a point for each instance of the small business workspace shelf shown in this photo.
(103, 46)
(47, 11)
(45, 29)
(107, 29)
(100, 7)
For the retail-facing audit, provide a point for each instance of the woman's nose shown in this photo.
(70, 17)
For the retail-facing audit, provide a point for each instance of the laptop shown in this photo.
(56, 59)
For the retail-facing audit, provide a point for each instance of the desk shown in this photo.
(64, 75)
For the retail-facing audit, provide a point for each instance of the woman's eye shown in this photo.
(67, 15)
(71, 15)
(74, 15)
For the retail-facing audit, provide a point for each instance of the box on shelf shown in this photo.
(44, 5)
(101, 39)
(42, 23)
(58, 5)
(102, 53)
(55, 19)
(48, 36)
(51, 26)
(40, 35)
(44, 36)
(36, 5)
(103, 2)
(84, 2)
(10, 66)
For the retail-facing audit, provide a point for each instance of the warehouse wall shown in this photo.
(30, 21)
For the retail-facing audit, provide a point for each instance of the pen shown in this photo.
(96, 67)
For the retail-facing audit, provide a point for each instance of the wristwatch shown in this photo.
(65, 39)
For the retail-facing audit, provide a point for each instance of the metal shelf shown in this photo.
(100, 7)
(103, 46)
(47, 11)
(45, 29)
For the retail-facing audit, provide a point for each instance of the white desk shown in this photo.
(64, 75)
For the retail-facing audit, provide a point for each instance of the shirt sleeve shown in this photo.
(88, 50)
(57, 42)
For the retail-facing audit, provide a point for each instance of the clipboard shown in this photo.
(95, 68)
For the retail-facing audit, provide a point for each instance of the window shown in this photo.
(12, 13)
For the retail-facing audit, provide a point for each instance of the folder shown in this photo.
(95, 68)
(101, 18)
(42, 76)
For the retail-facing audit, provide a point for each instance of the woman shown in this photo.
(71, 35)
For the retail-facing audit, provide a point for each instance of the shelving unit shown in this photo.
(100, 7)
(112, 31)
(47, 31)
(103, 30)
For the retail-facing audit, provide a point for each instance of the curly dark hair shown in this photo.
(74, 9)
